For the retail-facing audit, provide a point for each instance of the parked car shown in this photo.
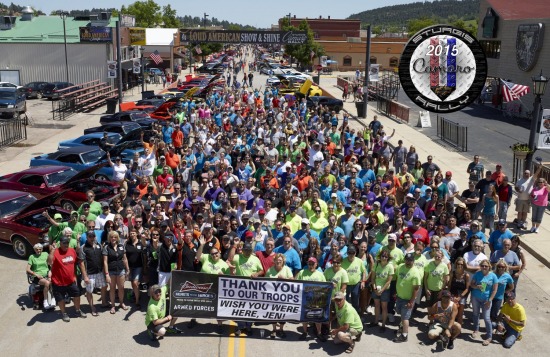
(52, 90)
(135, 116)
(21, 221)
(43, 181)
(82, 157)
(34, 89)
(153, 71)
(332, 103)
(214, 68)
(9, 85)
(12, 101)
(92, 139)
(116, 127)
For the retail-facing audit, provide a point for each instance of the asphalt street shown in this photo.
(30, 333)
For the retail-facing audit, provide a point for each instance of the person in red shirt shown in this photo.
(418, 233)
(498, 175)
(302, 181)
(63, 261)
(172, 159)
(163, 178)
(268, 181)
(266, 256)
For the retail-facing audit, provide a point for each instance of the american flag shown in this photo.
(155, 56)
(198, 49)
(512, 91)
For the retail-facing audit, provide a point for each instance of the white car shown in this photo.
(9, 85)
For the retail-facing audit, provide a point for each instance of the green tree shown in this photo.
(147, 13)
(302, 52)
(415, 25)
(169, 17)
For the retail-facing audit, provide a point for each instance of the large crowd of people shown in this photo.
(255, 183)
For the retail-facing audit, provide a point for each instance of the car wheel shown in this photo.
(101, 177)
(38, 95)
(21, 246)
(337, 109)
(68, 205)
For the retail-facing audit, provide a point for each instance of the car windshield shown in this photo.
(140, 116)
(92, 157)
(59, 178)
(16, 205)
(7, 95)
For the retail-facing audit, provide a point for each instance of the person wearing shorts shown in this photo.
(94, 276)
(63, 262)
(409, 279)
(523, 203)
(442, 316)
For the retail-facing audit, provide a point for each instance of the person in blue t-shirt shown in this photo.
(497, 237)
(484, 286)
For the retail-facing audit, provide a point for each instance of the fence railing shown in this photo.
(63, 108)
(452, 133)
(12, 131)
(393, 109)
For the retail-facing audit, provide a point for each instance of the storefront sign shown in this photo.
(137, 36)
(199, 295)
(96, 34)
(283, 37)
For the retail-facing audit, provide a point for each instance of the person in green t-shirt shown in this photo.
(245, 264)
(436, 275)
(57, 226)
(357, 276)
(420, 263)
(409, 279)
(349, 323)
(156, 317)
(337, 275)
(381, 277)
(311, 274)
(94, 206)
(211, 263)
(38, 268)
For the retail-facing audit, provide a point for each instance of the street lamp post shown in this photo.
(204, 25)
(539, 86)
(63, 15)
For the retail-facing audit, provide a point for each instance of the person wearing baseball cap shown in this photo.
(245, 264)
(513, 317)
(443, 325)
(409, 279)
(349, 322)
(357, 275)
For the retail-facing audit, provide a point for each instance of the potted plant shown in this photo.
(521, 150)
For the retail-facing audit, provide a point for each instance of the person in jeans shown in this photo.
(513, 319)
(539, 200)
(484, 285)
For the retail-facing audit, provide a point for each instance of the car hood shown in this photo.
(7, 101)
(45, 202)
(89, 172)
(117, 150)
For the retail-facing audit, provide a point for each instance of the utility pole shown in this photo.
(366, 77)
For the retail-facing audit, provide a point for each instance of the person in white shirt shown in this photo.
(523, 203)
(474, 257)
(105, 216)
(452, 186)
(315, 154)
(119, 170)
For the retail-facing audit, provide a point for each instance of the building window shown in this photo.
(394, 62)
(373, 60)
(491, 48)
(347, 61)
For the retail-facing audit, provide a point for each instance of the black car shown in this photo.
(212, 68)
(53, 90)
(154, 102)
(131, 116)
(34, 89)
(117, 127)
(332, 103)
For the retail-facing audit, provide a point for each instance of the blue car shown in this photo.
(82, 157)
(88, 140)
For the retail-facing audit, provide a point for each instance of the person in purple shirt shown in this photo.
(259, 202)
(194, 196)
(243, 192)
(357, 148)
(411, 203)
(212, 193)
(368, 194)
(347, 147)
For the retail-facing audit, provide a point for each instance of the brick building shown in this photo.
(508, 31)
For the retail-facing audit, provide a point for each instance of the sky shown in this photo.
(246, 12)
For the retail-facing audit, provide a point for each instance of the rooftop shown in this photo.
(519, 10)
(46, 29)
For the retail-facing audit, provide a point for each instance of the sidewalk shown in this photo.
(536, 244)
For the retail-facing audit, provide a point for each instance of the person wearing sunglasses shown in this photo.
(156, 316)
(484, 285)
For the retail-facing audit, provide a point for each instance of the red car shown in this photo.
(21, 221)
(42, 181)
